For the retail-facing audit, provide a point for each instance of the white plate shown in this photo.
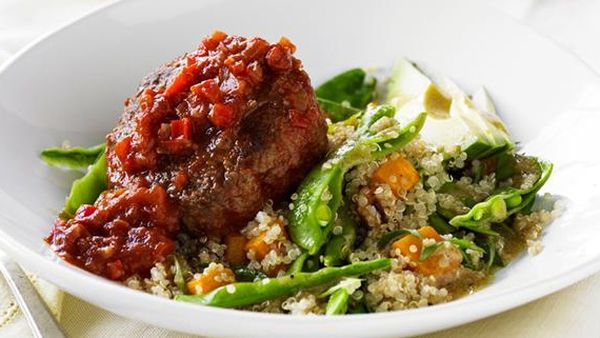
(71, 85)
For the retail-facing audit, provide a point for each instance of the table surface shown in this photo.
(571, 312)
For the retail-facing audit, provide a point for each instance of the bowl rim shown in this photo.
(480, 307)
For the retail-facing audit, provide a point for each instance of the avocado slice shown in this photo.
(409, 86)
(454, 119)
(494, 136)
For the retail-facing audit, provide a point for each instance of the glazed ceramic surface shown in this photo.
(71, 86)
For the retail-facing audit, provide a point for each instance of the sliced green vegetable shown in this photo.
(180, 272)
(346, 93)
(320, 194)
(499, 207)
(87, 189)
(440, 224)
(465, 244)
(339, 296)
(337, 303)
(72, 158)
(338, 248)
(349, 284)
(429, 250)
(491, 254)
(298, 264)
(246, 293)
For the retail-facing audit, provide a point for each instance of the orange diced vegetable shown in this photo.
(410, 245)
(214, 276)
(429, 232)
(398, 173)
(443, 260)
(258, 246)
(235, 253)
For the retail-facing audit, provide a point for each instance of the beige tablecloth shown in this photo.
(572, 312)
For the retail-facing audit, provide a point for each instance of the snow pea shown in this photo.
(339, 246)
(338, 302)
(339, 296)
(320, 194)
(247, 293)
(86, 189)
(72, 158)
(501, 205)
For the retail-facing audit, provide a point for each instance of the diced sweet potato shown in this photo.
(214, 276)
(443, 260)
(258, 246)
(398, 173)
(235, 252)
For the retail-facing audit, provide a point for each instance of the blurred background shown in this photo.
(573, 24)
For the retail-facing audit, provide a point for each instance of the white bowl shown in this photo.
(71, 86)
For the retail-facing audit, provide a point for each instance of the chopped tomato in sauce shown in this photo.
(126, 232)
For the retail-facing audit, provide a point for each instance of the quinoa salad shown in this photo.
(230, 182)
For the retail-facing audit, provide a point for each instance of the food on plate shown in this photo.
(230, 182)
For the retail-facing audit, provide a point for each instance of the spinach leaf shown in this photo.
(346, 94)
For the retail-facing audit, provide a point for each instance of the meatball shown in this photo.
(223, 129)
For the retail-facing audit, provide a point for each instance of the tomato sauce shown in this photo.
(124, 233)
(212, 88)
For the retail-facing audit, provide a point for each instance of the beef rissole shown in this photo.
(207, 140)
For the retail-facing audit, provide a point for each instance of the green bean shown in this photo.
(499, 207)
(246, 293)
(346, 94)
(338, 302)
(491, 254)
(465, 244)
(298, 264)
(339, 296)
(338, 248)
(87, 189)
(72, 158)
(320, 194)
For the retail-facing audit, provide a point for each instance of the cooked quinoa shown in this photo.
(442, 217)
(380, 211)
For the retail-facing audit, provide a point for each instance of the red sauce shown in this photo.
(212, 88)
(126, 232)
